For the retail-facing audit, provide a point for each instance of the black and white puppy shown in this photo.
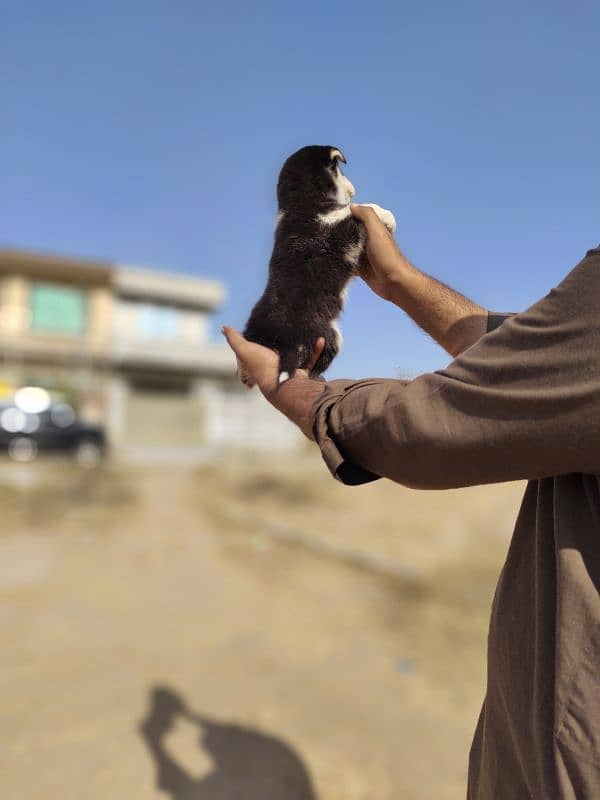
(318, 245)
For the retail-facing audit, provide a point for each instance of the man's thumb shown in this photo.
(364, 213)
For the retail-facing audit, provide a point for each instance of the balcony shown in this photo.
(176, 355)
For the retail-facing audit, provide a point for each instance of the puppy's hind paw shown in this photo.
(244, 377)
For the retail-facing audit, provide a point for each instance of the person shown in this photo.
(520, 400)
(245, 763)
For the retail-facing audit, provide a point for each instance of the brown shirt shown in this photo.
(522, 402)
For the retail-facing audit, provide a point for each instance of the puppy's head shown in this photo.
(313, 176)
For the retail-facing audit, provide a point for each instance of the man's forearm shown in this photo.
(451, 319)
(454, 321)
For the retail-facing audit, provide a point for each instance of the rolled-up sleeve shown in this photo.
(521, 403)
(327, 432)
(495, 319)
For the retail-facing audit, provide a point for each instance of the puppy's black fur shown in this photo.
(312, 261)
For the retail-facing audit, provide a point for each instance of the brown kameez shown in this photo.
(521, 403)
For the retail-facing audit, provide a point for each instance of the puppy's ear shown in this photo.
(337, 155)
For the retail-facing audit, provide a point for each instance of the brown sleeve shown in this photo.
(495, 319)
(523, 402)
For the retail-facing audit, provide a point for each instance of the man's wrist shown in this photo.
(268, 384)
(295, 398)
(396, 286)
(397, 276)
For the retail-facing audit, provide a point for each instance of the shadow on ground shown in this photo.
(246, 763)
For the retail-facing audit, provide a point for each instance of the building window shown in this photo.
(156, 321)
(60, 309)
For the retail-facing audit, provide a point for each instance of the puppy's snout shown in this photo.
(349, 187)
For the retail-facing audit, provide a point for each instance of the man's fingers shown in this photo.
(242, 347)
(370, 220)
(235, 340)
(316, 353)
(237, 343)
(363, 213)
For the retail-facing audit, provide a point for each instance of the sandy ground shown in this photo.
(241, 631)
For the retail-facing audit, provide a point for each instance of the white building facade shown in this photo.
(133, 349)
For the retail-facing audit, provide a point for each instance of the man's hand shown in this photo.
(261, 364)
(294, 397)
(258, 363)
(383, 265)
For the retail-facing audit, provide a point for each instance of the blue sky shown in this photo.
(152, 133)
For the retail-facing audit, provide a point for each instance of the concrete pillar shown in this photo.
(117, 392)
(100, 311)
(15, 315)
(207, 394)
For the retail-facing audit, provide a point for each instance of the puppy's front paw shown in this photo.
(389, 220)
(384, 215)
(244, 376)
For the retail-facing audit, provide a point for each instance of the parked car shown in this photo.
(25, 433)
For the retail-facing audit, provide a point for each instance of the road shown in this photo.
(148, 654)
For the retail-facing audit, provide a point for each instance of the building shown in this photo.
(130, 348)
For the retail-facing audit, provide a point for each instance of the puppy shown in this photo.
(318, 246)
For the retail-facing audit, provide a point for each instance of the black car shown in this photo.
(57, 429)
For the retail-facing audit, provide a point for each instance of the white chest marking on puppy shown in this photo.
(335, 323)
(353, 252)
(335, 327)
(335, 216)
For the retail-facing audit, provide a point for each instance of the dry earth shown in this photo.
(278, 635)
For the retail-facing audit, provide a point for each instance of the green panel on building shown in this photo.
(60, 309)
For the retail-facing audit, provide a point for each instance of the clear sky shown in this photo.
(153, 132)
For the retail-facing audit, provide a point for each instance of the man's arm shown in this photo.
(454, 321)
(523, 403)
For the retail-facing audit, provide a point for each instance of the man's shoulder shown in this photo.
(583, 279)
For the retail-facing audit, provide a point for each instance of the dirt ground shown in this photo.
(242, 631)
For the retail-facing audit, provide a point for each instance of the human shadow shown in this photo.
(248, 765)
